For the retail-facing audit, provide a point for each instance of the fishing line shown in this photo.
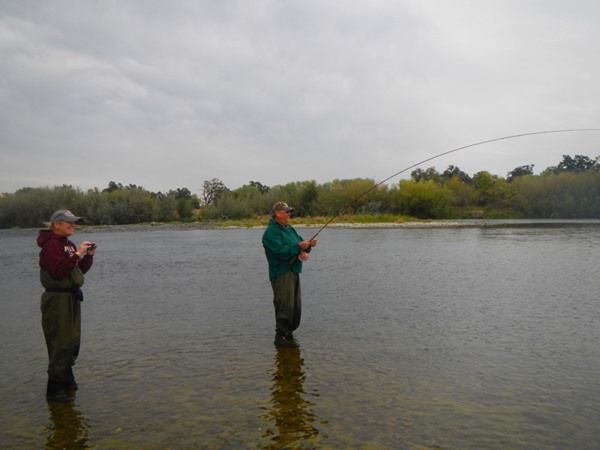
(360, 197)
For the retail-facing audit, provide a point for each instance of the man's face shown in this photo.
(282, 216)
(64, 228)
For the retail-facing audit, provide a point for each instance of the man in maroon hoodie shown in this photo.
(62, 265)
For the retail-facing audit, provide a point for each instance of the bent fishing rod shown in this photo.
(364, 194)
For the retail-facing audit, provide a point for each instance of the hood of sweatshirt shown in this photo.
(48, 235)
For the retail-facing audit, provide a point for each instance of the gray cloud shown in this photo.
(166, 95)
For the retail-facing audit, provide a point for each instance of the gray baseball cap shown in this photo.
(64, 215)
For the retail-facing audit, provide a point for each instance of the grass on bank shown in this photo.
(263, 221)
(317, 221)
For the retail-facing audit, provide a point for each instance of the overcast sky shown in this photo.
(167, 94)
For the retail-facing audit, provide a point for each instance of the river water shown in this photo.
(412, 338)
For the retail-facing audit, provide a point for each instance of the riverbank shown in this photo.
(229, 226)
(232, 225)
(472, 223)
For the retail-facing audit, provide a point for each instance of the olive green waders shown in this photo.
(287, 300)
(61, 322)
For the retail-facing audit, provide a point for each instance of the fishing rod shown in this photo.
(364, 194)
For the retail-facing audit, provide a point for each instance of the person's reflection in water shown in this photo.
(68, 427)
(290, 413)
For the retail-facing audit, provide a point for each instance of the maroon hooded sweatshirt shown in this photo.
(58, 255)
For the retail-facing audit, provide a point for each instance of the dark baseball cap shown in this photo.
(281, 206)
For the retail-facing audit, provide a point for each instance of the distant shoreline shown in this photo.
(466, 223)
(216, 226)
(459, 223)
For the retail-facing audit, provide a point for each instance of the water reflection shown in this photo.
(290, 418)
(68, 427)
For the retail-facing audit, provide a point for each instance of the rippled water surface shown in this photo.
(419, 338)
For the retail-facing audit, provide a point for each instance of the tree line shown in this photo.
(115, 205)
(571, 189)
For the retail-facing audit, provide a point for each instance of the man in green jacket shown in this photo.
(285, 251)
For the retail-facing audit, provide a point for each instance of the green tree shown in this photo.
(164, 207)
(250, 200)
(453, 171)
(31, 207)
(423, 199)
(426, 175)
(578, 163)
(564, 195)
(308, 196)
(261, 187)
(520, 171)
(492, 191)
(112, 186)
(130, 205)
(462, 191)
(346, 195)
(185, 202)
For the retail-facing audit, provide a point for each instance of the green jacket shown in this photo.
(282, 249)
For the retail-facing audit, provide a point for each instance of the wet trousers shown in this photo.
(287, 299)
(61, 322)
